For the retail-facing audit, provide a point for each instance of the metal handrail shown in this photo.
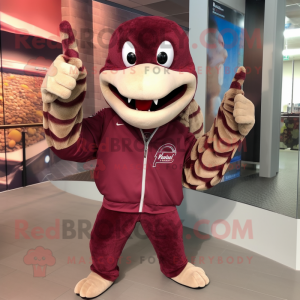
(20, 125)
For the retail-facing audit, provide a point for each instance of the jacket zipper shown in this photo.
(146, 146)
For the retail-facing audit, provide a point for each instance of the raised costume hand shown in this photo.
(212, 153)
(63, 91)
(243, 111)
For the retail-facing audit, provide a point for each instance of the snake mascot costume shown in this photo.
(148, 144)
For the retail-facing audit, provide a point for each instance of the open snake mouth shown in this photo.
(150, 105)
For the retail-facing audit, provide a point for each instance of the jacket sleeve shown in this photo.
(86, 146)
(211, 154)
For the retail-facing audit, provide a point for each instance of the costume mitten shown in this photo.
(212, 153)
(243, 114)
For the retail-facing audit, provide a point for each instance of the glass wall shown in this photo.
(25, 59)
(280, 193)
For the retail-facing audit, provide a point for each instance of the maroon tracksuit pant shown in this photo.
(112, 229)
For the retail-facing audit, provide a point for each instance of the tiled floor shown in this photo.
(254, 277)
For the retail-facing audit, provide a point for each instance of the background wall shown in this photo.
(32, 12)
(297, 82)
(287, 84)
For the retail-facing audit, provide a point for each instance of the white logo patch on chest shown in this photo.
(165, 154)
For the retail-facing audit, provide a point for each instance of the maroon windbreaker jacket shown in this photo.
(136, 171)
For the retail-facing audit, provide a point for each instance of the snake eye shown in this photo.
(162, 58)
(165, 54)
(128, 54)
(131, 58)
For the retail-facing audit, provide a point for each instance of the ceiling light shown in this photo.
(291, 33)
(291, 52)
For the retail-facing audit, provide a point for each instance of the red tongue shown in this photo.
(143, 104)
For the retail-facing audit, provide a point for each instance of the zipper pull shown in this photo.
(145, 151)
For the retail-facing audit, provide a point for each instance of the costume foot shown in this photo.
(92, 286)
(192, 277)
